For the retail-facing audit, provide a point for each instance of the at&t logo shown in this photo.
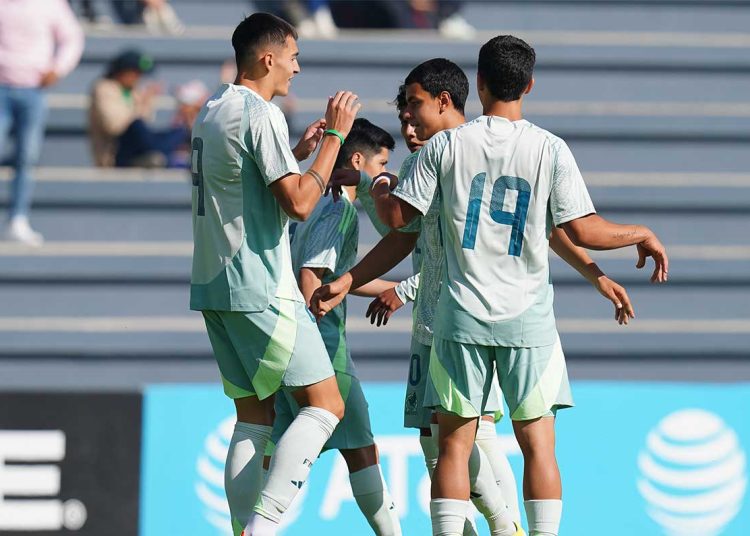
(692, 474)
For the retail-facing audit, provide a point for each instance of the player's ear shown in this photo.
(529, 87)
(357, 160)
(444, 101)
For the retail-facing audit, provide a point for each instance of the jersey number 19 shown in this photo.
(516, 219)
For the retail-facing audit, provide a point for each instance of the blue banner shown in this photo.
(636, 458)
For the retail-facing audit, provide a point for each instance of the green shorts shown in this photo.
(416, 413)
(260, 353)
(534, 380)
(353, 432)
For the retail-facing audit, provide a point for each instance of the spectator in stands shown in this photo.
(312, 18)
(157, 15)
(190, 98)
(120, 113)
(40, 42)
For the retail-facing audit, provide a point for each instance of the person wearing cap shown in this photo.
(40, 43)
(120, 115)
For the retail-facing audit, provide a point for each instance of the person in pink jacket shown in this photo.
(40, 42)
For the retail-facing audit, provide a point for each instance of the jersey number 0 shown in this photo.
(516, 219)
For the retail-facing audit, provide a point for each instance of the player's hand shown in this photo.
(382, 307)
(310, 139)
(342, 110)
(340, 178)
(391, 177)
(328, 296)
(652, 247)
(618, 296)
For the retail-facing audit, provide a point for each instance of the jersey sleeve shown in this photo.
(267, 140)
(569, 197)
(325, 240)
(417, 187)
(406, 290)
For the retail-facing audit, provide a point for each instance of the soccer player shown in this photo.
(247, 184)
(324, 247)
(425, 105)
(504, 183)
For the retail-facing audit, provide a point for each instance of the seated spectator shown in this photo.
(157, 15)
(190, 98)
(120, 113)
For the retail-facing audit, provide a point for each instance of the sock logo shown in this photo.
(307, 463)
(298, 483)
(209, 483)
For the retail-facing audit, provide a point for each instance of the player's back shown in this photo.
(499, 181)
(241, 251)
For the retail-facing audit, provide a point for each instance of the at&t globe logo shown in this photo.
(693, 473)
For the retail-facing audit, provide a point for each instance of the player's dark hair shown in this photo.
(365, 138)
(259, 29)
(438, 75)
(506, 64)
(400, 101)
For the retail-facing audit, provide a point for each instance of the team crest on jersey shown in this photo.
(411, 404)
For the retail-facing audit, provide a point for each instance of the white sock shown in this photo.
(371, 493)
(543, 516)
(486, 495)
(290, 466)
(243, 479)
(448, 516)
(430, 450)
(506, 480)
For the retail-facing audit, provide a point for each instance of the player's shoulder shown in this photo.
(554, 141)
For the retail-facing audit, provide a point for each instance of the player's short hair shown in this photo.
(438, 75)
(506, 64)
(257, 30)
(365, 138)
(400, 101)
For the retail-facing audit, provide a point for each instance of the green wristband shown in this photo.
(334, 132)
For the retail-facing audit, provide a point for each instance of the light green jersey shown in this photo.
(328, 239)
(241, 257)
(503, 185)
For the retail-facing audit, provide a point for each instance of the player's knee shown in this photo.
(455, 448)
(535, 438)
(361, 458)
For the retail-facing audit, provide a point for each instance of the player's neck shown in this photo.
(262, 86)
(509, 110)
(455, 120)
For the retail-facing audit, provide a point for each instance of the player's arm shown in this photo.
(579, 259)
(572, 210)
(374, 288)
(392, 211)
(386, 254)
(390, 301)
(309, 280)
(298, 194)
(594, 232)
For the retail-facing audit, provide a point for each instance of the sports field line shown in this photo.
(194, 324)
(184, 248)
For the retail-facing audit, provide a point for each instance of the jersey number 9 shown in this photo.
(516, 219)
(196, 167)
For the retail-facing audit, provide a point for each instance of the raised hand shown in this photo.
(310, 139)
(618, 296)
(341, 112)
(652, 247)
(382, 307)
(326, 297)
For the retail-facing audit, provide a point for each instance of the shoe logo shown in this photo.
(692, 473)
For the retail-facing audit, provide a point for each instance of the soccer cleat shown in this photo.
(519, 530)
